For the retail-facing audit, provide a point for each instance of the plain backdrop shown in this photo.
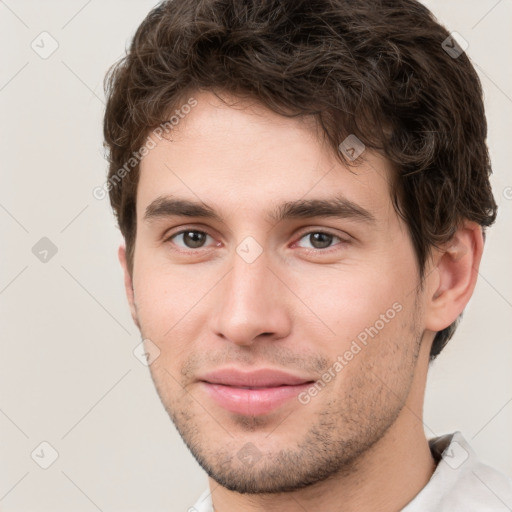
(68, 376)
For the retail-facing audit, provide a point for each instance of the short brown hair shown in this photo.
(379, 70)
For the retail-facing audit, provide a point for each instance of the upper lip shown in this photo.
(263, 377)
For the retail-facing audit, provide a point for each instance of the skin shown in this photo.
(359, 444)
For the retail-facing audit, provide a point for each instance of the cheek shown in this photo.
(376, 367)
(351, 304)
(169, 302)
(165, 297)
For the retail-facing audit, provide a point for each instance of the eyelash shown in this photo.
(302, 235)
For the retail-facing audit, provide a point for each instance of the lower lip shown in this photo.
(252, 401)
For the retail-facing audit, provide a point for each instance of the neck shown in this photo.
(386, 478)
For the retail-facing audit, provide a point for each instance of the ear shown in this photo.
(452, 276)
(128, 284)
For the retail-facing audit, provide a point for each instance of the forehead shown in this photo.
(245, 158)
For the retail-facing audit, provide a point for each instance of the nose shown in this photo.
(251, 304)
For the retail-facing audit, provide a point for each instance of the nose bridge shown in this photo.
(249, 302)
(249, 281)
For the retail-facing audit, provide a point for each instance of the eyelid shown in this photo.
(169, 233)
(319, 229)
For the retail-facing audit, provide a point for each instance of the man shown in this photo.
(303, 187)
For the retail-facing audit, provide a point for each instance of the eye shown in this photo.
(190, 239)
(319, 240)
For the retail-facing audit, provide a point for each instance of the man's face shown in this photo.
(249, 309)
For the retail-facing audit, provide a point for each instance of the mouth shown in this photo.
(252, 393)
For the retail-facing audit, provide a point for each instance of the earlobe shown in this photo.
(454, 276)
(128, 283)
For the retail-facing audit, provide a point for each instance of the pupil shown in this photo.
(320, 240)
(193, 239)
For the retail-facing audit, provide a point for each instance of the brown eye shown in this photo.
(319, 240)
(190, 239)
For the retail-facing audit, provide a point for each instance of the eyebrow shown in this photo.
(332, 207)
(168, 206)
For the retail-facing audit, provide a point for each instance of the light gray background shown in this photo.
(67, 372)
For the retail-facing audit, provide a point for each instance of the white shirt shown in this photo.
(460, 483)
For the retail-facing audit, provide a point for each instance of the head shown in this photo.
(301, 186)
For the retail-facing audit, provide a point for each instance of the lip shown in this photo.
(252, 393)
